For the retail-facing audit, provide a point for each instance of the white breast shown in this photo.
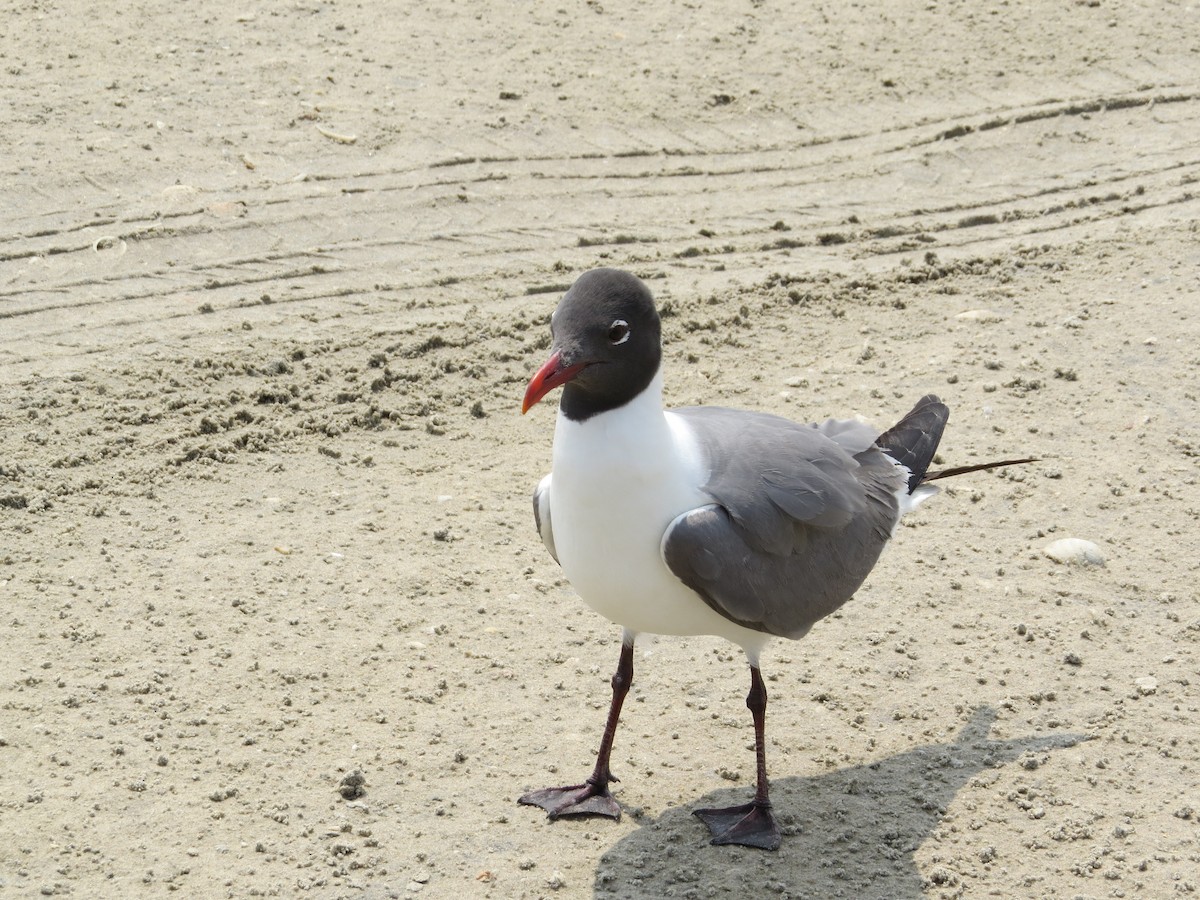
(619, 479)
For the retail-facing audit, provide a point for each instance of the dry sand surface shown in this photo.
(272, 279)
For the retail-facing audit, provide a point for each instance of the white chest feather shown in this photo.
(619, 479)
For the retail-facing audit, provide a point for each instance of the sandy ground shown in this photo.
(272, 279)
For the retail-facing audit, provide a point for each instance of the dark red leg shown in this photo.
(592, 798)
(750, 824)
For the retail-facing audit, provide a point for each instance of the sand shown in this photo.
(276, 621)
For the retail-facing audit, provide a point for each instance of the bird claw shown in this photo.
(749, 825)
(576, 800)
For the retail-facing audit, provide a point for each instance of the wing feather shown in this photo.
(799, 516)
(541, 515)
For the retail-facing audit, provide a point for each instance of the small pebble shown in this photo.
(980, 315)
(1147, 686)
(1075, 552)
(352, 785)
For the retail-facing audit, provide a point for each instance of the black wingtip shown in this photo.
(914, 440)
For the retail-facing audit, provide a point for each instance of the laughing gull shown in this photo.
(704, 520)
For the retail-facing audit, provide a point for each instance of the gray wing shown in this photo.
(541, 514)
(800, 514)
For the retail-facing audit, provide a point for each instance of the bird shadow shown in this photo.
(852, 832)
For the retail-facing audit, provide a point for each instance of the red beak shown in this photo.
(547, 378)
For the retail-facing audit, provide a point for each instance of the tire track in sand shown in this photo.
(458, 230)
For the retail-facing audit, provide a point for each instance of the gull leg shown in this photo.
(593, 797)
(751, 824)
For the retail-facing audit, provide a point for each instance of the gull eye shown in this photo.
(618, 332)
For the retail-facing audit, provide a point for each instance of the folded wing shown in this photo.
(800, 514)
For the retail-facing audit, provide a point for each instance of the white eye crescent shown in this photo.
(618, 332)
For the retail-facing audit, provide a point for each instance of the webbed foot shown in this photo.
(750, 825)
